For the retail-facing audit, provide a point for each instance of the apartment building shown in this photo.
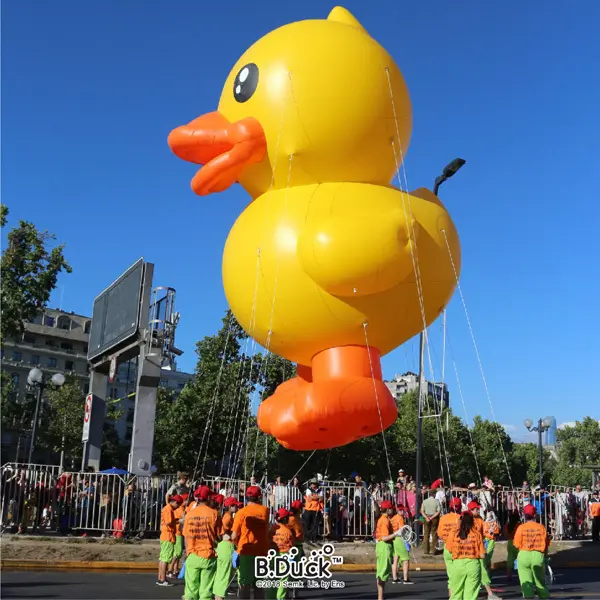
(57, 342)
(408, 382)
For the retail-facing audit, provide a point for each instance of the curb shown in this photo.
(150, 567)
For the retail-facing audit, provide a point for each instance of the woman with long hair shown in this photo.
(468, 551)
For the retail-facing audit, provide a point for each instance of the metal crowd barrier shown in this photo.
(39, 498)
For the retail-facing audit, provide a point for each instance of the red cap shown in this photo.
(456, 503)
(230, 501)
(529, 510)
(185, 496)
(297, 505)
(473, 504)
(203, 492)
(218, 499)
(253, 491)
(282, 513)
(177, 499)
(386, 504)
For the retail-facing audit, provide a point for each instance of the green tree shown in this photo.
(525, 461)
(29, 272)
(63, 421)
(492, 445)
(61, 426)
(10, 411)
(210, 423)
(577, 445)
(194, 426)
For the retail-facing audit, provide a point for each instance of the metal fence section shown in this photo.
(41, 499)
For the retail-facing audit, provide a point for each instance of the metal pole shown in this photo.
(541, 451)
(419, 437)
(62, 445)
(38, 401)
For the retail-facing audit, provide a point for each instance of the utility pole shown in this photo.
(449, 171)
(418, 474)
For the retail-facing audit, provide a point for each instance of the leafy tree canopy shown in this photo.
(30, 270)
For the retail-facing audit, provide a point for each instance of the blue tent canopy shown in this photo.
(115, 471)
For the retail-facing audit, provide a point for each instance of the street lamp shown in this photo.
(449, 171)
(542, 425)
(37, 380)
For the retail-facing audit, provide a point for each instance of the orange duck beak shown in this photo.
(224, 149)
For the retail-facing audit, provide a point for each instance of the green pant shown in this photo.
(489, 553)
(384, 552)
(224, 568)
(511, 556)
(178, 546)
(279, 592)
(246, 570)
(167, 549)
(449, 566)
(466, 578)
(400, 549)
(199, 577)
(532, 574)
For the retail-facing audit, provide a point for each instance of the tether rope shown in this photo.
(487, 391)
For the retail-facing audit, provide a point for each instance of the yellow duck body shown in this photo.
(329, 265)
(334, 257)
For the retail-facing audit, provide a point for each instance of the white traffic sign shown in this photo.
(86, 418)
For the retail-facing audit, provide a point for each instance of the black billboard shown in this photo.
(116, 313)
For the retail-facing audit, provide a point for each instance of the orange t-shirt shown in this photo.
(201, 526)
(168, 524)
(226, 523)
(490, 530)
(397, 522)
(478, 525)
(595, 509)
(251, 527)
(282, 537)
(531, 536)
(448, 525)
(313, 502)
(295, 524)
(384, 528)
(472, 547)
(179, 513)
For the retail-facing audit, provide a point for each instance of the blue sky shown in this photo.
(90, 91)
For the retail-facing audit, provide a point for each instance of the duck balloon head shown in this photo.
(323, 91)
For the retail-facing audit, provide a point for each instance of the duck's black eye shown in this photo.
(245, 83)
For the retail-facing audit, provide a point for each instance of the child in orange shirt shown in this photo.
(201, 527)
(250, 533)
(491, 529)
(225, 550)
(168, 535)
(384, 535)
(467, 550)
(400, 550)
(179, 513)
(282, 539)
(532, 541)
(295, 523)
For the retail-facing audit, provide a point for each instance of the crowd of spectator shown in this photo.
(112, 505)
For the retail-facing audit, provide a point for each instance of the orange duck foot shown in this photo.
(340, 400)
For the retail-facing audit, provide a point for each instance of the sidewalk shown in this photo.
(110, 554)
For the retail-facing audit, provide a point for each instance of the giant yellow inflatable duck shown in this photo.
(329, 265)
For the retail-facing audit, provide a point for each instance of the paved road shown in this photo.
(574, 584)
